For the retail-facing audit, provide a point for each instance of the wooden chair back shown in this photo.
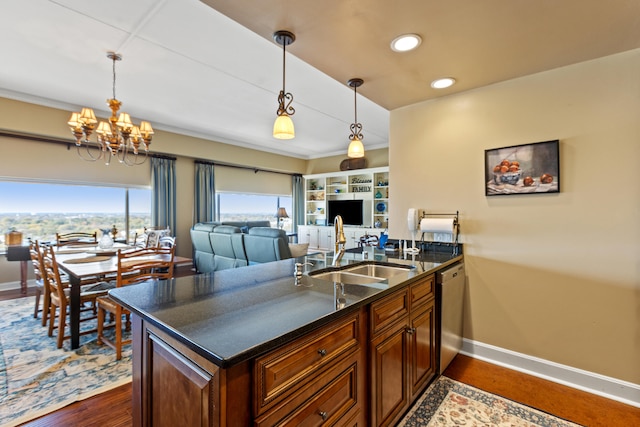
(36, 260)
(145, 264)
(77, 238)
(52, 275)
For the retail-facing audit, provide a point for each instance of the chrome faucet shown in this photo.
(341, 241)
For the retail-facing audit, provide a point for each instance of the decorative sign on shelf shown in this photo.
(361, 189)
(357, 180)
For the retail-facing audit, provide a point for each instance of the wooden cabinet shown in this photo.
(319, 378)
(172, 385)
(314, 380)
(402, 349)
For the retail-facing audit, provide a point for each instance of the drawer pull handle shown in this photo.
(323, 415)
(322, 352)
(411, 331)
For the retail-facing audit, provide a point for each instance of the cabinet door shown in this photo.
(192, 400)
(303, 234)
(422, 350)
(314, 242)
(326, 239)
(389, 361)
(308, 234)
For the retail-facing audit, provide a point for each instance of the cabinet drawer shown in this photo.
(279, 372)
(389, 309)
(328, 400)
(422, 291)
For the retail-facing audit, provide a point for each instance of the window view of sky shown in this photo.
(21, 197)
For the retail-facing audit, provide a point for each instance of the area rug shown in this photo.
(37, 378)
(450, 403)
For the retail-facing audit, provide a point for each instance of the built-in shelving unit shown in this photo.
(369, 185)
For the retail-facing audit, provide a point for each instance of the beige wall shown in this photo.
(27, 160)
(555, 276)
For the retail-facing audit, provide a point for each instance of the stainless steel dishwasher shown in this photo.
(450, 286)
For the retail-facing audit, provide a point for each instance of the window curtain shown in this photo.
(297, 200)
(205, 193)
(163, 193)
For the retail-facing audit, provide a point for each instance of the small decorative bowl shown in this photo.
(507, 177)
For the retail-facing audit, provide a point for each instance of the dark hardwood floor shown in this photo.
(113, 408)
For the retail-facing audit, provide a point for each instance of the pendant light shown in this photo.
(283, 126)
(356, 149)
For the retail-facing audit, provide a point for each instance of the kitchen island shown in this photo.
(253, 345)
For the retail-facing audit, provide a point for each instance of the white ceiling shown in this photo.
(189, 69)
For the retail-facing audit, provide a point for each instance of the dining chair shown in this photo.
(166, 242)
(59, 297)
(133, 267)
(154, 234)
(41, 283)
(77, 238)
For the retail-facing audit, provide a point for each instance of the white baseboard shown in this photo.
(608, 387)
(7, 286)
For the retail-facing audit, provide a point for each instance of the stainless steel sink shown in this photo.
(378, 270)
(370, 274)
(347, 278)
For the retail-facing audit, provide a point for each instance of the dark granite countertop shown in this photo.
(230, 316)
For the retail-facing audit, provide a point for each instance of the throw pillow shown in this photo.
(298, 249)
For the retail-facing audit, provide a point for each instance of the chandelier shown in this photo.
(356, 149)
(283, 126)
(118, 138)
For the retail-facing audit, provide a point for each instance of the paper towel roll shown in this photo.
(437, 225)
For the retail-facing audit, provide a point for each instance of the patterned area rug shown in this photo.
(37, 378)
(450, 403)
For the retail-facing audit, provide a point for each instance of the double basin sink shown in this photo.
(366, 273)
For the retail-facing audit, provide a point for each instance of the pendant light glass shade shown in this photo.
(356, 149)
(283, 127)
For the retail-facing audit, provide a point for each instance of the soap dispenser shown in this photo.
(383, 238)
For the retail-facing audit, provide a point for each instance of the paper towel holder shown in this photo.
(413, 223)
(456, 227)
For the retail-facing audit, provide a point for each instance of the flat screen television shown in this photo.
(349, 210)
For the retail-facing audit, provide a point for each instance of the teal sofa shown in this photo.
(220, 246)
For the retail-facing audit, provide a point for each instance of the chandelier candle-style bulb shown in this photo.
(356, 148)
(118, 137)
(283, 126)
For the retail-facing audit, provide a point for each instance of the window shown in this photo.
(40, 210)
(253, 207)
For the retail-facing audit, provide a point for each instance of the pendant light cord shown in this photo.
(284, 68)
(355, 103)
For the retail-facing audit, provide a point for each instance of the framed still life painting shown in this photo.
(523, 169)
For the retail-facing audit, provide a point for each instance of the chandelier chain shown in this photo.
(114, 76)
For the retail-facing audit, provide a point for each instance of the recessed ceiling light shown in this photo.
(443, 83)
(405, 42)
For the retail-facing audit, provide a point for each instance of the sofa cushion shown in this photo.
(265, 244)
(224, 250)
(202, 249)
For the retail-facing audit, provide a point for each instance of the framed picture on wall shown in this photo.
(523, 169)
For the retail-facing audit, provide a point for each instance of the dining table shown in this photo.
(84, 262)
